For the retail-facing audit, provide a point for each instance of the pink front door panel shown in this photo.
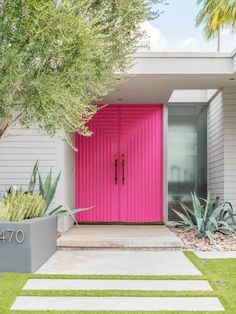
(119, 168)
(95, 162)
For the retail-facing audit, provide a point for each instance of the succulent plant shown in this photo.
(207, 217)
(47, 188)
(19, 206)
(5, 213)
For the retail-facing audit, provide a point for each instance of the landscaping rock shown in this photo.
(192, 242)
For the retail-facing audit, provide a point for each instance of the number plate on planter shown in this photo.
(12, 235)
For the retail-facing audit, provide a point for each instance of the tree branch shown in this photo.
(6, 124)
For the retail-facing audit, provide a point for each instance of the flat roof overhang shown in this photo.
(155, 75)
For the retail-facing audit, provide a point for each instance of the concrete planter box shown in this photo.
(26, 245)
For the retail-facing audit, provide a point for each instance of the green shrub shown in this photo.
(207, 217)
(18, 206)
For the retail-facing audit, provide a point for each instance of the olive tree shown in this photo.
(58, 57)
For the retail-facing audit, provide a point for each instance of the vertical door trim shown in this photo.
(165, 163)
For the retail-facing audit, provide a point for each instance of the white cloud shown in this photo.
(156, 39)
(188, 42)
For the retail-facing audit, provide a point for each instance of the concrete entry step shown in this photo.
(145, 304)
(124, 237)
(104, 284)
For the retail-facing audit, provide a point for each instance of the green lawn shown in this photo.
(220, 273)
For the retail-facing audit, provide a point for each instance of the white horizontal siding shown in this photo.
(216, 147)
(229, 96)
(222, 145)
(19, 151)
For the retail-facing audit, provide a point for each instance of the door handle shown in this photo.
(123, 169)
(116, 171)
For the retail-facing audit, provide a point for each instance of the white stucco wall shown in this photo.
(222, 145)
(66, 187)
(22, 148)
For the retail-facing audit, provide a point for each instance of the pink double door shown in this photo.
(119, 168)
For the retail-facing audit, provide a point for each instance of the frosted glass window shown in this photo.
(187, 153)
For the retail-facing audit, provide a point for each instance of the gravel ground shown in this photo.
(192, 242)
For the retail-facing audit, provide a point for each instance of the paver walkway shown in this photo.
(104, 284)
(117, 304)
(115, 262)
(119, 263)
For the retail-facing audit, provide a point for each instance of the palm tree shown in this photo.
(216, 15)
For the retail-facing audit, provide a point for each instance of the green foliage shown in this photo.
(62, 211)
(57, 57)
(18, 206)
(33, 178)
(48, 188)
(12, 189)
(216, 15)
(207, 217)
(5, 212)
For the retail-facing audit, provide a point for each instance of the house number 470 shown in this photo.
(10, 235)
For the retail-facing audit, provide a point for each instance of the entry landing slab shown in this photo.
(117, 304)
(142, 285)
(119, 262)
(119, 236)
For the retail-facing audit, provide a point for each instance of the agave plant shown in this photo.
(18, 204)
(33, 178)
(48, 187)
(207, 217)
(47, 190)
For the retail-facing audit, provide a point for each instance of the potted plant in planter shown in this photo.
(28, 228)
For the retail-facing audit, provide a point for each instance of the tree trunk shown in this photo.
(218, 41)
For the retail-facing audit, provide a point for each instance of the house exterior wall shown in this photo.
(222, 145)
(229, 97)
(65, 162)
(19, 152)
(216, 146)
(23, 147)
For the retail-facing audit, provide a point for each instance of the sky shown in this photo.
(174, 30)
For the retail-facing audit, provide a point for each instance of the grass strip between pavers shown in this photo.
(221, 275)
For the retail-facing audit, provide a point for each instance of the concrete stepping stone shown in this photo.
(116, 262)
(117, 304)
(216, 254)
(89, 284)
